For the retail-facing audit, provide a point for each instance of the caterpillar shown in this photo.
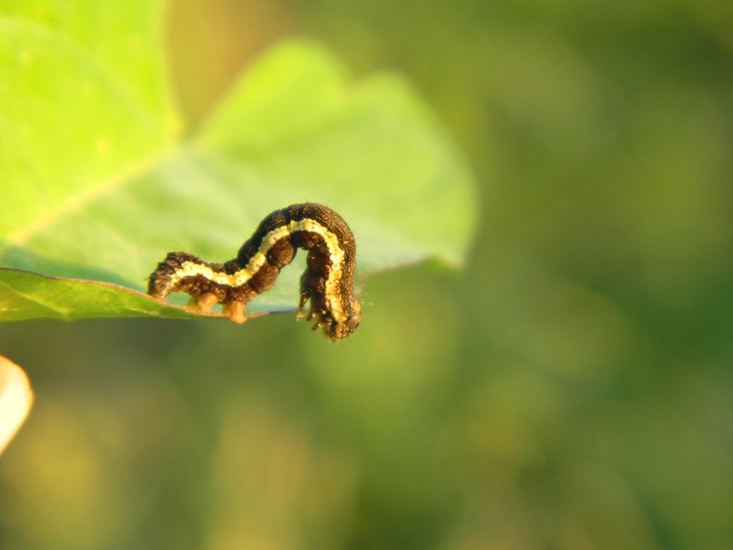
(328, 281)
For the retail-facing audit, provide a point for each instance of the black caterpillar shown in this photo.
(328, 281)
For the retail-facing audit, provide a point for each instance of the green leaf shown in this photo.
(81, 100)
(98, 190)
(26, 295)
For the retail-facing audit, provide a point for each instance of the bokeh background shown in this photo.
(571, 388)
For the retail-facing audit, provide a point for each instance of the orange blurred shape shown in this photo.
(15, 400)
(210, 41)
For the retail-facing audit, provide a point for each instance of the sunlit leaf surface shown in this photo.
(99, 188)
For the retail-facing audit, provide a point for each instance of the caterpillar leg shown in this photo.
(235, 311)
(203, 303)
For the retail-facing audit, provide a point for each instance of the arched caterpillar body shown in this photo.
(328, 281)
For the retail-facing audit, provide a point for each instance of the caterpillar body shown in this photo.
(328, 281)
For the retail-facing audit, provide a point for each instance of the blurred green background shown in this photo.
(570, 389)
